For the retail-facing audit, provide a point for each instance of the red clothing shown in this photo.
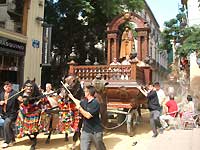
(172, 107)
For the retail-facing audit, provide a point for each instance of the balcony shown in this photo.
(118, 74)
(11, 16)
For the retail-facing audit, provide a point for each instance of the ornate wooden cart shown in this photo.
(121, 93)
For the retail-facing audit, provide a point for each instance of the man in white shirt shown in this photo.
(48, 89)
(50, 93)
(161, 94)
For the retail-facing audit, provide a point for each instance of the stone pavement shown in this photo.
(172, 140)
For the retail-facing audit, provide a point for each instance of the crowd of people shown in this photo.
(127, 60)
(122, 72)
(12, 111)
(164, 108)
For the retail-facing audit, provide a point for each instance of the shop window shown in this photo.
(9, 63)
(6, 61)
(1, 61)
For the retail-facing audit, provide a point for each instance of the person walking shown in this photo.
(154, 108)
(161, 95)
(8, 108)
(92, 130)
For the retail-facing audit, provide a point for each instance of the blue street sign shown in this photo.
(35, 43)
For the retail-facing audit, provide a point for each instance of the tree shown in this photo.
(175, 30)
(82, 24)
(191, 43)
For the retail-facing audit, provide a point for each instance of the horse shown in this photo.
(70, 119)
(29, 112)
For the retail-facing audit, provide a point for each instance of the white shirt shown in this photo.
(161, 96)
(189, 107)
(50, 92)
(126, 62)
(115, 63)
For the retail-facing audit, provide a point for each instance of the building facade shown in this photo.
(193, 8)
(159, 58)
(21, 40)
(193, 12)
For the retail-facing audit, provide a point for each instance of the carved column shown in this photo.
(114, 52)
(139, 48)
(133, 70)
(145, 46)
(147, 74)
(112, 46)
(143, 43)
(108, 49)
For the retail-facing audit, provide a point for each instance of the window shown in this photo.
(2, 24)
(2, 1)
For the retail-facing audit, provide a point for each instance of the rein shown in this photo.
(15, 95)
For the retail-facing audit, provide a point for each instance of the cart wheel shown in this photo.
(131, 121)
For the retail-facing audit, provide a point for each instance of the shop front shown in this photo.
(12, 61)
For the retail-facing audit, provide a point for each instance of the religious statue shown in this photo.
(127, 42)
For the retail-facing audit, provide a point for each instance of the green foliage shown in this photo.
(82, 23)
(174, 31)
(191, 42)
(187, 37)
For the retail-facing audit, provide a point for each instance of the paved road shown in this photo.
(172, 140)
(119, 140)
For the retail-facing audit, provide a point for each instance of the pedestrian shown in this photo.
(92, 130)
(188, 110)
(154, 108)
(189, 106)
(161, 95)
(8, 108)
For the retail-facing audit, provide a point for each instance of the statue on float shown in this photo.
(127, 42)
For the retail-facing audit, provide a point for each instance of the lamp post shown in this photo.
(46, 47)
(46, 74)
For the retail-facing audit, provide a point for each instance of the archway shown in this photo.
(113, 37)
